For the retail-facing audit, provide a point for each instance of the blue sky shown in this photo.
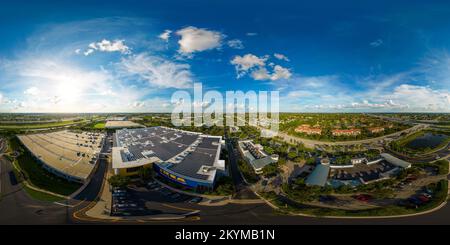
(107, 56)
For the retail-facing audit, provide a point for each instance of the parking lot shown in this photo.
(422, 197)
(150, 199)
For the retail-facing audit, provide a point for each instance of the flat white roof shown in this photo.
(121, 124)
(395, 161)
(70, 153)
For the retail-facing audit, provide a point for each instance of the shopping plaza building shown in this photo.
(186, 158)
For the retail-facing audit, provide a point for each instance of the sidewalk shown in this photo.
(102, 208)
(209, 197)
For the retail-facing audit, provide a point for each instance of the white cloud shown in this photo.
(244, 63)
(436, 68)
(138, 104)
(88, 52)
(46, 84)
(77, 51)
(422, 98)
(33, 91)
(301, 93)
(55, 100)
(376, 43)
(195, 39)
(257, 68)
(165, 35)
(108, 46)
(260, 74)
(114, 46)
(405, 97)
(280, 72)
(236, 44)
(158, 71)
(281, 57)
(251, 34)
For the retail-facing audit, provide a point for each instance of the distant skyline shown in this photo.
(323, 56)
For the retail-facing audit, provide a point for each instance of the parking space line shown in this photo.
(63, 204)
(175, 207)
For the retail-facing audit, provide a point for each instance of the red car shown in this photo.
(424, 198)
(363, 197)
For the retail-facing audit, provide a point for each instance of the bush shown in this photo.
(118, 181)
(224, 186)
(271, 170)
(248, 172)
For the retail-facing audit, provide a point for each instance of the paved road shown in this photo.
(92, 190)
(16, 207)
(242, 189)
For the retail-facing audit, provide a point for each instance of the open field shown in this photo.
(21, 126)
(100, 125)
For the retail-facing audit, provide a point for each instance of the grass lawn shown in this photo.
(41, 196)
(38, 125)
(36, 175)
(100, 125)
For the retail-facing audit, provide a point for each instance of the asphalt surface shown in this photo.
(16, 207)
(242, 189)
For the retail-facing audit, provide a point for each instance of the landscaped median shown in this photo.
(285, 205)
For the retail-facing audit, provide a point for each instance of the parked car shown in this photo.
(120, 194)
(415, 201)
(363, 197)
(428, 191)
(196, 200)
(427, 195)
(327, 198)
(175, 196)
(423, 198)
(120, 197)
(165, 191)
(119, 191)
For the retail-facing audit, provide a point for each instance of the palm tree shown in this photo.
(144, 173)
(118, 181)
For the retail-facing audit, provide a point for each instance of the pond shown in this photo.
(431, 140)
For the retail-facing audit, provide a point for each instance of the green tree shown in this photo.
(270, 170)
(292, 155)
(269, 150)
(144, 173)
(118, 181)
